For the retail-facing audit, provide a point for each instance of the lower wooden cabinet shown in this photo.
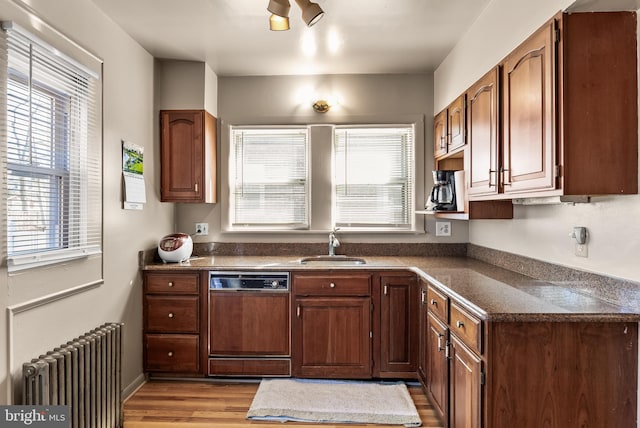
(331, 329)
(399, 328)
(173, 316)
(437, 365)
(465, 400)
(332, 337)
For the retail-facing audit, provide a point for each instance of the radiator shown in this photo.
(84, 374)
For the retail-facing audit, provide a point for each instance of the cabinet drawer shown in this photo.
(249, 367)
(332, 285)
(438, 304)
(171, 283)
(178, 353)
(171, 314)
(466, 327)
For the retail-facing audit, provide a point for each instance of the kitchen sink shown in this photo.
(341, 259)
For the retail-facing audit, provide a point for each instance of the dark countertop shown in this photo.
(493, 293)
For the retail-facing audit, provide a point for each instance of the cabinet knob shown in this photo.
(170, 314)
(170, 284)
(433, 302)
(170, 354)
(332, 285)
(459, 324)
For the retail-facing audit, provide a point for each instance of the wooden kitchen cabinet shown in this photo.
(529, 94)
(400, 305)
(172, 318)
(449, 128)
(465, 401)
(331, 325)
(569, 113)
(249, 333)
(482, 134)
(188, 156)
(437, 365)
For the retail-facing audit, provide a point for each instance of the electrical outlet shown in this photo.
(202, 228)
(443, 228)
(581, 250)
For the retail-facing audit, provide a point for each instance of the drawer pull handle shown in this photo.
(423, 297)
(170, 354)
(170, 284)
(440, 336)
(170, 314)
(459, 324)
(332, 285)
(386, 290)
(433, 302)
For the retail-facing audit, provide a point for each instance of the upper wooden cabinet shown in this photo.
(449, 128)
(188, 156)
(569, 113)
(529, 142)
(482, 134)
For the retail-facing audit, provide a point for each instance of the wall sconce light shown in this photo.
(321, 106)
(279, 19)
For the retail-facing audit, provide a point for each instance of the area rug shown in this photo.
(323, 401)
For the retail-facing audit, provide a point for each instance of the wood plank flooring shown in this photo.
(163, 404)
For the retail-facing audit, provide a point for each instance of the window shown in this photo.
(373, 184)
(269, 178)
(53, 154)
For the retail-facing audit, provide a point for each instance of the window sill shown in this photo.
(35, 260)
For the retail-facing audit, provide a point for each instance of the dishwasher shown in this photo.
(249, 324)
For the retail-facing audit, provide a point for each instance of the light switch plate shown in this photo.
(443, 228)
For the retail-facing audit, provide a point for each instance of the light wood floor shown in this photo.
(163, 404)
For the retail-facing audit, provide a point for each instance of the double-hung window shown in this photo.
(53, 154)
(373, 177)
(269, 178)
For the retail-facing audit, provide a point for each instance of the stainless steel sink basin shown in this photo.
(340, 259)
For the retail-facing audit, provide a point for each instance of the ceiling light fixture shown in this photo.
(311, 12)
(279, 19)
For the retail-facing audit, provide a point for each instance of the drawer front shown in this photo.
(332, 285)
(171, 314)
(466, 327)
(438, 304)
(171, 283)
(249, 367)
(176, 353)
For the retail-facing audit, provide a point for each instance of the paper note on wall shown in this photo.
(133, 177)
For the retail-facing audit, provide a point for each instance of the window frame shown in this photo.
(410, 182)
(74, 150)
(235, 226)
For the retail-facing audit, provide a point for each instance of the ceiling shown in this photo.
(354, 36)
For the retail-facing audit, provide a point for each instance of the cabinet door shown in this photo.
(249, 324)
(456, 123)
(440, 140)
(423, 333)
(464, 383)
(399, 329)
(529, 114)
(482, 133)
(437, 366)
(182, 155)
(332, 337)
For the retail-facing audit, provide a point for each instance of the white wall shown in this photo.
(540, 232)
(287, 100)
(128, 113)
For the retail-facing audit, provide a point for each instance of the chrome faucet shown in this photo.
(333, 243)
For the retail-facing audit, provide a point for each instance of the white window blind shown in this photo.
(374, 169)
(53, 154)
(269, 178)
